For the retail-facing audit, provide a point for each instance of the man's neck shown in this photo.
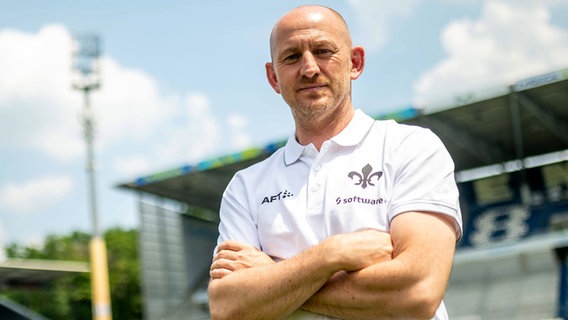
(318, 133)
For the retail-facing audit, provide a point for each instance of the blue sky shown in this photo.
(184, 81)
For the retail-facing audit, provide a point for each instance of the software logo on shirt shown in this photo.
(365, 178)
(279, 196)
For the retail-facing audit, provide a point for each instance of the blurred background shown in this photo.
(183, 83)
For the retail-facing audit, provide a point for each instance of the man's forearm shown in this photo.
(410, 286)
(376, 292)
(248, 285)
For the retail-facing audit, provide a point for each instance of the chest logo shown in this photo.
(365, 177)
(279, 196)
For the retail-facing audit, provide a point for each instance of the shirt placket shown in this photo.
(316, 195)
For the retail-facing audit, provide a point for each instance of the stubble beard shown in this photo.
(317, 111)
(319, 115)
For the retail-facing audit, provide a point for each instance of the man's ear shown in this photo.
(357, 62)
(271, 76)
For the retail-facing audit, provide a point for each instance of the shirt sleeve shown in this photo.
(236, 219)
(424, 178)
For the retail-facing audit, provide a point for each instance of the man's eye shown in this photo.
(292, 57)
(322, 52)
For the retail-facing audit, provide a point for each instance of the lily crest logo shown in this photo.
(365, 177)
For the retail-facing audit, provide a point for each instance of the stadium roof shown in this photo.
(529, 118)
(36, 273)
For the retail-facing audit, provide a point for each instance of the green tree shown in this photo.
(124, 273)
(70, 296)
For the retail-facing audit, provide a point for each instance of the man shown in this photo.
(352, 219)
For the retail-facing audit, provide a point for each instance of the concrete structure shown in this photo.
(31, 274)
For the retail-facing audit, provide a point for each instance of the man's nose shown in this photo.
(310, 66)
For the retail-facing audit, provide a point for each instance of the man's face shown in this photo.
(312, 65)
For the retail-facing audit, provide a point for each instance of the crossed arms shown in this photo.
(361, 275)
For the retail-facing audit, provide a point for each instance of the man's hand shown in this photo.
(232, 256)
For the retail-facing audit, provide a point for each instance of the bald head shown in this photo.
(310, 16)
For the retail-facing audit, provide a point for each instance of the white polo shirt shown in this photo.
(362, 178)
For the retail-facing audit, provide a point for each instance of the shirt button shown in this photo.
(316, 187)
(317, 168)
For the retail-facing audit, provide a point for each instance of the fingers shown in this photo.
(232, 256)
(232, 246)
(229, 255)
(222, 265)
(227, 261)
(218, 273)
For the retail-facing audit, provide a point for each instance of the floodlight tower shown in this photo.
(86, 78)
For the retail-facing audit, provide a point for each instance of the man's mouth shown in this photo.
(315, 86)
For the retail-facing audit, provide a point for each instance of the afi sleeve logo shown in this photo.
(365, 178)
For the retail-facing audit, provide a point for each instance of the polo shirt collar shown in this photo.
(354, 133)
(293, 150)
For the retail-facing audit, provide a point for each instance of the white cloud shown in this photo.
(39, 110)
(507, 43)
(129, 105)
(31, 195)
(192, 132)
(37, 106)
(376, 18)
(132, 165)
(237, 125)
(195, 134)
